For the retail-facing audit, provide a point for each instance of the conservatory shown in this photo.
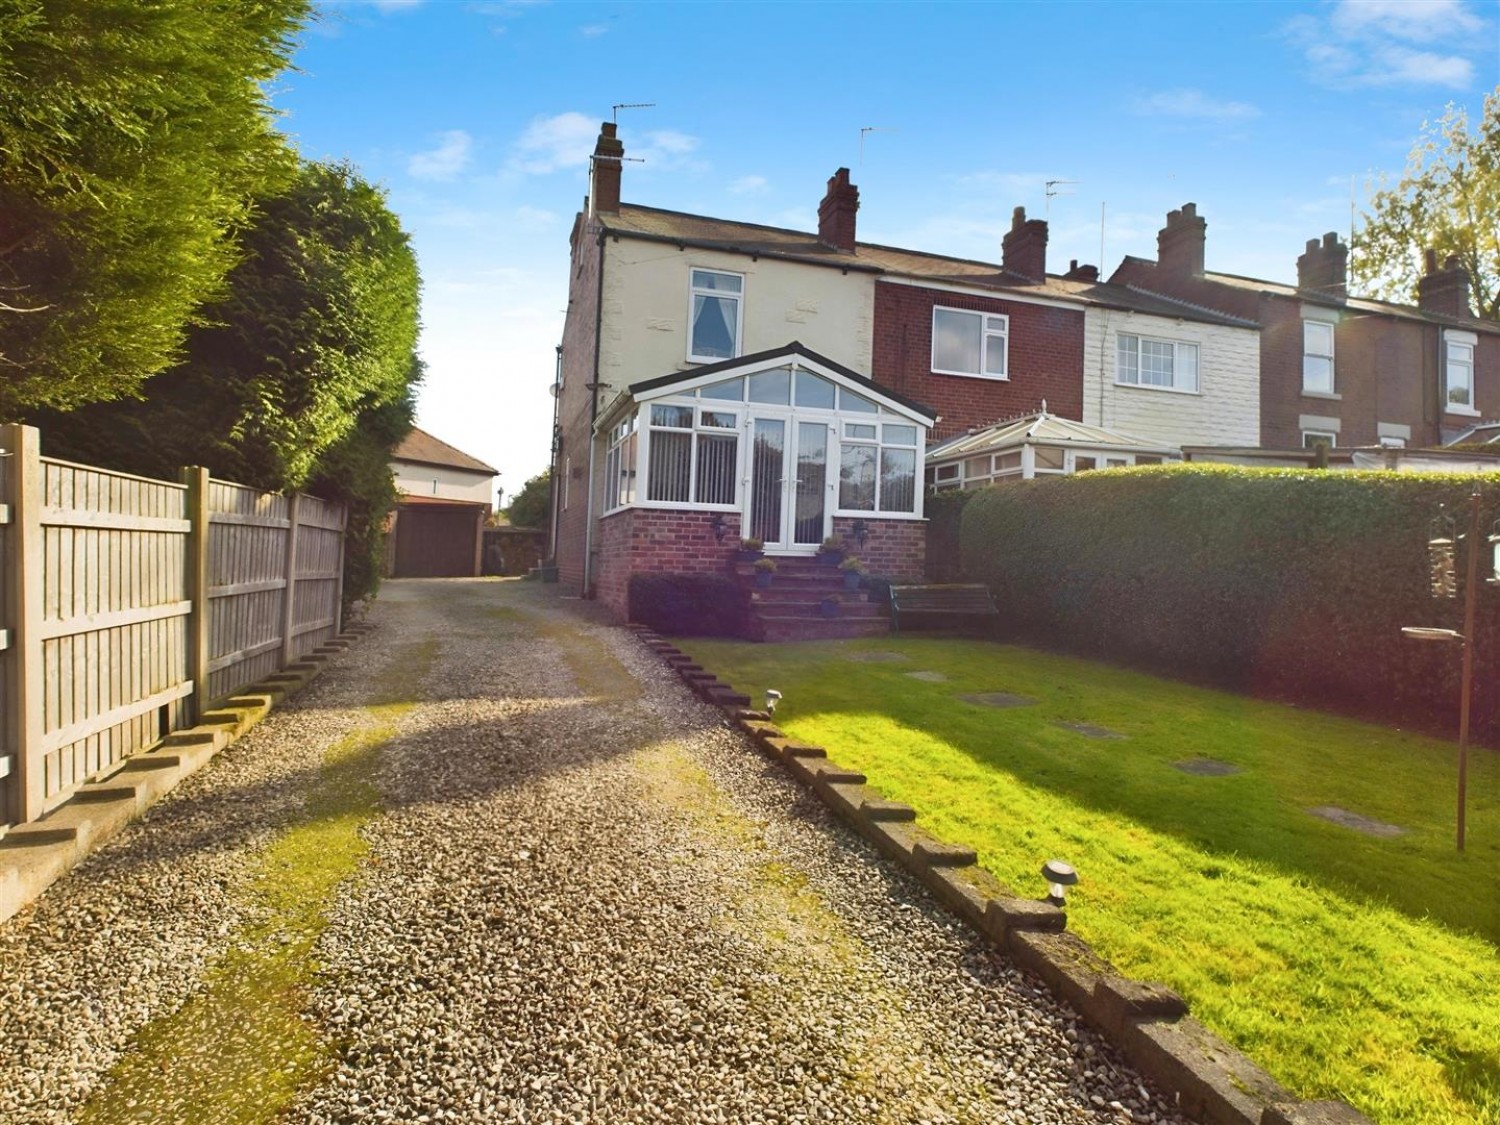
(785, 447)
(1036, 445)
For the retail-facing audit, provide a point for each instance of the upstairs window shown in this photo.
(1165, 364)
(1459, 365)
(1317, 357)
(969, 343)
(714, 315)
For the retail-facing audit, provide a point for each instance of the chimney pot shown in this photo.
(836, 212)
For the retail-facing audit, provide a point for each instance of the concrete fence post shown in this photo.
(23, 610)
(288, 605)
(197, 560)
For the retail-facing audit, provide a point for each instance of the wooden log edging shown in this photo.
(35, 855)
(1148, 1023)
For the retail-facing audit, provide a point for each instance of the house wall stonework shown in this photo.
(1044, 358)
(646, 309)
(1226, 409)
(574, 412)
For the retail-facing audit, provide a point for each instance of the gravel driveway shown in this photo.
(576, 895)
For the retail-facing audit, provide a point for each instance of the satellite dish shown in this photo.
(555, 389)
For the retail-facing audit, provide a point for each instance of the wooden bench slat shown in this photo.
(948, 600)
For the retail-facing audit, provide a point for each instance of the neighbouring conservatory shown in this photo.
(785, 446)
(1036, 445)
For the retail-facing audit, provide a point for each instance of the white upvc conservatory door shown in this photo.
(788, 499)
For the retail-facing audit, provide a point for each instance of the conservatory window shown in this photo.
(619, 465)
(878, 473)
(693, 454)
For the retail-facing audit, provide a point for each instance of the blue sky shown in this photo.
(477, 117)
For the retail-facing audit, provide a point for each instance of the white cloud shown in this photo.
(749, 185)
(552, 143)
(593, 30)
(1417, 21)
(1364, 43)
(1005, 184)
(447, 160)
(1193, 104)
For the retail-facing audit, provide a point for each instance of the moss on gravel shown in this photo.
(240, 1048)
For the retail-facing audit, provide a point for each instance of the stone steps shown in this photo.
(790, 608)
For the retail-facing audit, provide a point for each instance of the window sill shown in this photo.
(973, 375)
(712, 359)
(1331, 396)
(1151, 387)
(1466, 411)
(865, 515)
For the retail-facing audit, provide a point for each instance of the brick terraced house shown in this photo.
(1337, 369)
(721, 379)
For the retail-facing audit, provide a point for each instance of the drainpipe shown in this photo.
(553, 492)
(588, 524)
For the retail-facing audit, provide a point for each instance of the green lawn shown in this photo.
(1348, 965)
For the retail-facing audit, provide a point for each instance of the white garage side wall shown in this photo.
(1224, 411)
(442, 483)
(645, 323)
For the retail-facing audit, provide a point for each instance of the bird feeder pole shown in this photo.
(1466, 691)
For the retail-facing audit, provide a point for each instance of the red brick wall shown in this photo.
(892, 548)
(1045, 359)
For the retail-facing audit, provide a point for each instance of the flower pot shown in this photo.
(743, 555)
(829, 607)
(763, 578)
(851, 579)
(830, 558)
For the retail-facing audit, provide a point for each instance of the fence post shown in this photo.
(196, 480)
(288, 605)
(23, 603)
(338, 589)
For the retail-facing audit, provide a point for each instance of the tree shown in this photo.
(132, 139)
(529, 507)
(319, 326)
(1448, 200)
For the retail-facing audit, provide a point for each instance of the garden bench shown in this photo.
(965, 603)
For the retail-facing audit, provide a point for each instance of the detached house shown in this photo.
(1336, 369)
(722, 379)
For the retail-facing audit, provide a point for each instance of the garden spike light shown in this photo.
(1060, 876)
(773, 697)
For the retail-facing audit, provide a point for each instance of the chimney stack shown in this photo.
(1179, 244)
(836, 212)
(604, 173)
(1081, 273)
(1324, 267)
(1444, 291)
(1023, 251)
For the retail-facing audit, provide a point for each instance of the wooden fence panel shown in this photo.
(319, 569)
(114, 620)
(10, 772)
(247, 585)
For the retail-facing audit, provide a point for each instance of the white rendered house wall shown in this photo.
(414, 479)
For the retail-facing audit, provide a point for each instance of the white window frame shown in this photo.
(697, 429)
(739, 312)
(615, 450)
(1454, 345)
(880, 444)
(1311, 438)
(1178, 346)
(992, 327)
(1307, 353)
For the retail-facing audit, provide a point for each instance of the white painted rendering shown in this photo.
(1225, 410)
(414, 479)
(645, 322)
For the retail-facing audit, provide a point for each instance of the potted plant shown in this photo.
(829, 606)
(764, 570)
(831, 551)
(854, 572)
(750, 550)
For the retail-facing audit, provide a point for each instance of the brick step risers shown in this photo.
(813, 608)
(805, 592)
(821, 629)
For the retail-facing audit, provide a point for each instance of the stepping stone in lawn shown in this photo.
(1089, 730)
(876, 657)
(928, 677)
(1206, 767)
(997, 699)
(1358, 823)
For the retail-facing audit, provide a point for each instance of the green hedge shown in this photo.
(689, 605)
(944, 511)
(1282, 582)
